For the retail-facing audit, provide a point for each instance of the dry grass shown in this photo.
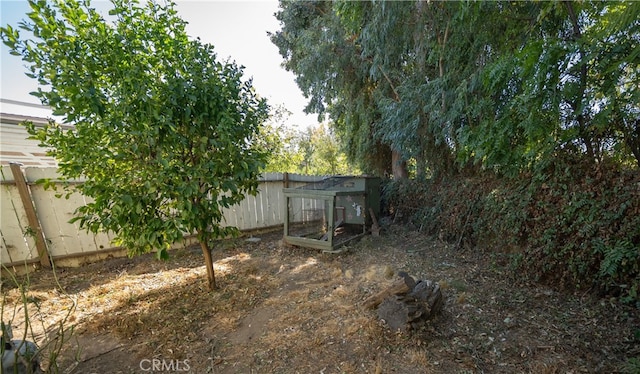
(295, 310)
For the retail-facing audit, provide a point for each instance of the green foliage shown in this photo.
(632, 366)
(163, 132)
(567, 86)
(332, 72)
(58, 334)
(543, 93)
(568, 226)
(584, 226)
(321, 153)
(503, 215)
(281, 144)
(314, 151)
(405, 197)
(501, 85)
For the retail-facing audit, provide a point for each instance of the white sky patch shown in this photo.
(237, 29)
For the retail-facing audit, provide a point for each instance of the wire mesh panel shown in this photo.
(331, 212)
(307, 217)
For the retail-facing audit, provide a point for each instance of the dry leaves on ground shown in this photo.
(284, 309)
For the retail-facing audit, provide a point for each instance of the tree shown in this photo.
(312, 151)
(393, 76)
(466, 86)
(281, 142)
(330, 71)
(566, 82)
(164, 134)
(321, 154)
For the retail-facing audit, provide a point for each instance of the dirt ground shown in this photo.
(283, 309)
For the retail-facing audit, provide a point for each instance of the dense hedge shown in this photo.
(571, 225)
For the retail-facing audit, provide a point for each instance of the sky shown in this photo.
(236, 29)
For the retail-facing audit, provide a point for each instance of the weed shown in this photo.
(632, 366)
(52, 337)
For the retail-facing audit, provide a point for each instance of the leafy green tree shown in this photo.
(504, 86)
(281, 143)
(164, 134)
(330, 71)
(322, 154)
(410, 47)
(567, 82)
(307, 148)
(396, 78)
(316, 150)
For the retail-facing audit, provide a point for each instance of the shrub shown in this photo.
(571, 224)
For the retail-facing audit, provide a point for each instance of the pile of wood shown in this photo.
(407, 303)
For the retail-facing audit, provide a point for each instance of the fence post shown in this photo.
(285, 224)
(30, 210)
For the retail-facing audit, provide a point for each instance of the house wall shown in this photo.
(15, 145)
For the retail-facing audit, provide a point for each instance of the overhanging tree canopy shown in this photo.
(164, 133)
(470, 85)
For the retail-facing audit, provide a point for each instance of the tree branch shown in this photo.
(395, 93)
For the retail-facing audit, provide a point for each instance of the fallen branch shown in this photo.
(400, 286)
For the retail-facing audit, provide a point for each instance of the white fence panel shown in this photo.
(17, 244)
(65, 239)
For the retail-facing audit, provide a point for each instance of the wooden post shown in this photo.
(285, 182)
(30, 210)
(375, 228)
(331, 224)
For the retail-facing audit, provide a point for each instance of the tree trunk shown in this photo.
(421, 167)
(398, 166)
(577, 104)
(404, 310)
(208, 261)
(631, 136)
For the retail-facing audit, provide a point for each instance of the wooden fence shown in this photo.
(35, 228)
